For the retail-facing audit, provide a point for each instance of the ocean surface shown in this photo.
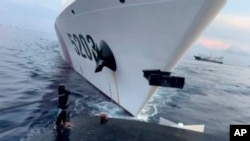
(31, 69)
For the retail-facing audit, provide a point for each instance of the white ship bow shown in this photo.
(142, 35)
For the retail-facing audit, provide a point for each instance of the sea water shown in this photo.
(31, 69)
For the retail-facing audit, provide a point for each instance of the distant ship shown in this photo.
(218, 60)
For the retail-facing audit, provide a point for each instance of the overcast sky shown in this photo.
(33, 14)
(228, 35)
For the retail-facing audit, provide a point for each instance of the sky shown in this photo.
(228, 35)
(38, 15)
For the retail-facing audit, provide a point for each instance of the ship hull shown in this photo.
(207, 60)
(141, 34)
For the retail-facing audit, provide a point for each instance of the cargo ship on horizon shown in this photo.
(218, 60)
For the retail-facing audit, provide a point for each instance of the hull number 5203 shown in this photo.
(85, 46)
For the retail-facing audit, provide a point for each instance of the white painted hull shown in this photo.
(142, 34)
(197, 128)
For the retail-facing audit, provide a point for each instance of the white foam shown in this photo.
(108, 107)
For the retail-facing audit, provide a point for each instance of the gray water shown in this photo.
(31, 68)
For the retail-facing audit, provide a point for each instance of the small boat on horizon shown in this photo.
(218, 60)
